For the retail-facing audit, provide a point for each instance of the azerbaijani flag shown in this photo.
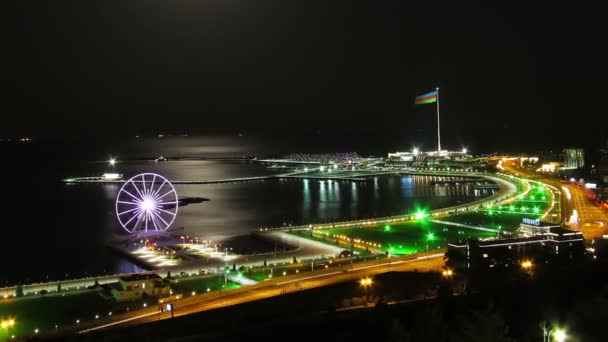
(427, 98)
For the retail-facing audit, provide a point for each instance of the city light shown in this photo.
(112, 161)
(420, 215)
(447, 273)
(7, 324)
(415, 151)
(526, 264)
(365, 282)
(560, 335)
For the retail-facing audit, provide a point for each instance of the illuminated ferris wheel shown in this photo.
(146, 202)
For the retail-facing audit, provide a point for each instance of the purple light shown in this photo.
(147, 204)
(139, 206)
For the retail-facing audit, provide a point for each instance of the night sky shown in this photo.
(510, 75)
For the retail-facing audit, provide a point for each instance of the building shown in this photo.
(531, 227)
(550, 167)
(420, 159)
(138, 286)
(536, 240)
(574, 158)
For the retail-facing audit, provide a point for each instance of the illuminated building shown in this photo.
(541, 241)
(574, 158)
(138, 286)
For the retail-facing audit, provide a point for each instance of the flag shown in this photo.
(427, 98)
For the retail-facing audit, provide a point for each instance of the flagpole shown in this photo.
(438, 131)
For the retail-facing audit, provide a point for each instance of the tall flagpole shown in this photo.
(438, 131)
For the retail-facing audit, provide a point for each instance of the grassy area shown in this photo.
(45, 312)
(202, 284)
(507, 217)
(404, 238)
(336, 242)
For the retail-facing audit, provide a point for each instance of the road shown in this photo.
(277, 287)
(591, 220)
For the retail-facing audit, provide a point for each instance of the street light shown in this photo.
(559, 335)
(365, 282)
(526, 264)
(112, 161)
(7, 324)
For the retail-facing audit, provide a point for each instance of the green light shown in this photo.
(420, 215)
(532, 197)
(560, 335)
(512, 208)
(490, 212)
(387, 228)
(392, 249)
(430, 236)
(543, 198)
(524, 208)
(536, 210)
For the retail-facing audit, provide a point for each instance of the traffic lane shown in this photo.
(276, 289)
(295, 286)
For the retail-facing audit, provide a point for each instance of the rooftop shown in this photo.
(138, 277)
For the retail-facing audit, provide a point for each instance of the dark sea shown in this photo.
(52, 230)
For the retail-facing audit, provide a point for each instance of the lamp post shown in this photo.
(366, 283)
(558, 334)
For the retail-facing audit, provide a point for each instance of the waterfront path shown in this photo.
(467, 226)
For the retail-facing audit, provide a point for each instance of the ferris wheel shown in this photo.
(146, 202)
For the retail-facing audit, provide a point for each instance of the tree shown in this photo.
(58, 287)
(396, 333)
(19, 291)
(446, 288)
(295, 261)
(480, 326)
(265, 265)
(234, 267)
(589, 315)
(430, 326)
